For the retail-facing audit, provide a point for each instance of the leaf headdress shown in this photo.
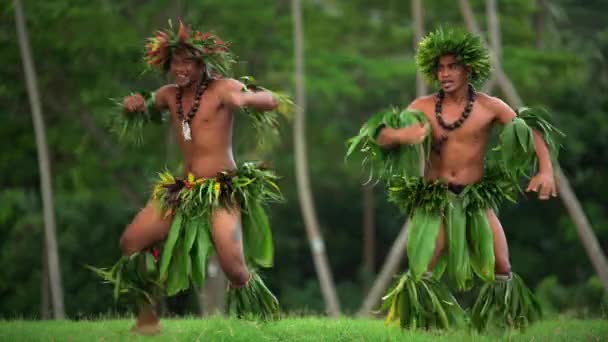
(468, 49)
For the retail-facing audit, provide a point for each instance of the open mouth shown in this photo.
(447, 83)
(182, 80)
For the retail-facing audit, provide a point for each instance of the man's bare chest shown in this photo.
(478, 121)
(473, 130)
(206, 110)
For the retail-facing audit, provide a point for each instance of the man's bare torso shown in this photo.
(461, 159)
(210, 150)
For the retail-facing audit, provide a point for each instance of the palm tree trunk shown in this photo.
(397, 252)
(418, 14)
(43, 164)
(45, 291)
(393, 260)
(540, 22)
(495, 40)
(572, 204)
(308, 211)
(369, 229)
(211, 296)
(583, 228)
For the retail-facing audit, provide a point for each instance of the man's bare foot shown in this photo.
(147, 330)
(147, 322)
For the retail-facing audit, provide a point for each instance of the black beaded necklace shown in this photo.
(438, 143)
(187, 119)
(465, 114)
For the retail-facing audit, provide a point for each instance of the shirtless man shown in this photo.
(452, 224)
(458, 156)
(201, 109)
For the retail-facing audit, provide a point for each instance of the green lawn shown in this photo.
(289, 329)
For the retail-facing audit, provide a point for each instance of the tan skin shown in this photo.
(461, 160)
(209, 152)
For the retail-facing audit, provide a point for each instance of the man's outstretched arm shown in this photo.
(235, 95)
(137, 103)
(390, 137)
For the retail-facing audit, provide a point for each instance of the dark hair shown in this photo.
(191, 51)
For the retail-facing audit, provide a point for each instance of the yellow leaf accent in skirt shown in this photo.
(166, 178)
(158, 190)
(392, 313)
(216, 189)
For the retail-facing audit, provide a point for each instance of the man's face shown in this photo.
(451, 74)
(185, 68)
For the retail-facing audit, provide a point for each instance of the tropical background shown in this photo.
(341, 61)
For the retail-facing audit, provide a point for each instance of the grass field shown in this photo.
(290, 329)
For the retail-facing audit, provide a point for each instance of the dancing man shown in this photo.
(217, 206)
(451, 201)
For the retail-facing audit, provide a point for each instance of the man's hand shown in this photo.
(544, 184)
(414, 134)
(134, 103)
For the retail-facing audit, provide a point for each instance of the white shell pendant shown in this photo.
(186, 130)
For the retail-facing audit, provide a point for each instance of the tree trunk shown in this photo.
(418, 15)
(494, 28)
(369, 229)
(539, 23)
(212, 295)
(501, 78)
(45, 291)
(397, 252)
(308, 211)
(495, 39)
(393, 260)
(43, 164)
(572, 204)
(584, 230)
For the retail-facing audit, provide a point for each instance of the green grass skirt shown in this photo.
(184, 257)
(423, 303)
(469, 246)
(505, 304)
(253, 300)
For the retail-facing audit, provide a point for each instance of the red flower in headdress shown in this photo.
(202, 36)
(159, 47)
(162, 36)
(183, 32)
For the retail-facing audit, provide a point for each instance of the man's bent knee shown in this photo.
(503, 266)
(128, 244)
(238, 276)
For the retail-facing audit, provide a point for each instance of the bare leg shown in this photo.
(227, 236)
(501, 249)
(147, 227)
(439, 247)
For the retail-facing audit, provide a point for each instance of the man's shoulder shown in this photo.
(423, 103)
(167, 89)
(425, 99)
(226, 84)
(164, 94)
(497, 107)
(490, 101)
